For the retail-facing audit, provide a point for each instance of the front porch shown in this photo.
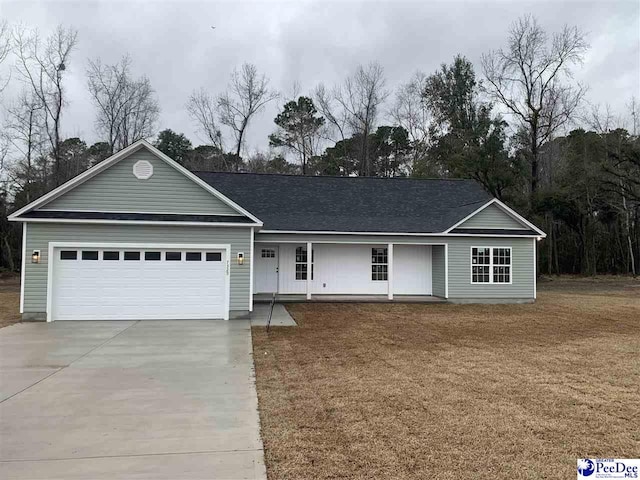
(365, 272)
(297, 298)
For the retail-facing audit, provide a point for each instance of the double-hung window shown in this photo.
(379, 264)
(491, 265)
(301, 263)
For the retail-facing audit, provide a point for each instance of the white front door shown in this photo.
(110, 283)
(266, 269)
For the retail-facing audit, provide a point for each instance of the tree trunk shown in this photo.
(9, 254)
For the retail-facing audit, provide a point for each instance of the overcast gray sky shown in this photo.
(310, 42)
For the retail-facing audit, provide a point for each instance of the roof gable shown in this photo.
(495, 215)
(117, 189)
(492, 217)
(111, 186)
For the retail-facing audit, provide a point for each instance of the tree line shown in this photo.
(519, 124)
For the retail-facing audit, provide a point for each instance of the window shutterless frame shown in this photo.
(491, 264)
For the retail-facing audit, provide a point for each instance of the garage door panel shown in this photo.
(138, 289)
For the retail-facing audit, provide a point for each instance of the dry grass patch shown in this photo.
(451, 391)
(9, 301)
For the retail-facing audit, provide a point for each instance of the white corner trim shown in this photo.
(150, 245)
(23, 266)
(252, 252)
(446, 270)
(93, 171)
(509, 211)
(535, 268)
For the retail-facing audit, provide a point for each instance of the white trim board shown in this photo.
(512, 213)
(135, 222)
(146, 246)
(390, 234)
(89, 210)
(23, 266)
(95, 170)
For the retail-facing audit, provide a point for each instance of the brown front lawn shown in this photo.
(453, 391)
(9, 300)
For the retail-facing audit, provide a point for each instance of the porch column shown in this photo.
(390, 270)
(309, 257)
(446, 270)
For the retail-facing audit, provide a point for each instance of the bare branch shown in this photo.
(127, 108)
(247, 95)
(202, 109)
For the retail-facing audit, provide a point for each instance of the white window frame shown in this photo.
(490, 265)
(305, 263)
(385, 264)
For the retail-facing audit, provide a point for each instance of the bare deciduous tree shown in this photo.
(127, 108)
(248, 93)
(354, 105)
(527, 79)
(337, 118)
(203, 110)
(5, 50)
(42, 64)
(411, 112)
(23, 128)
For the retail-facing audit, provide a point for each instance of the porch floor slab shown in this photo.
(280, 317)
(260, 298)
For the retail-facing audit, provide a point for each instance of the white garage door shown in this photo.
(138, 284)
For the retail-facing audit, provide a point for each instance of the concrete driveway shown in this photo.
(151, 399)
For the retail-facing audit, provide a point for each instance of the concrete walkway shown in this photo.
(161, 400)
(280, 317)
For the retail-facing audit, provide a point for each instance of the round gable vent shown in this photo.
(143, 170)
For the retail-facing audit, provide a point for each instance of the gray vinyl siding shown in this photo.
(438, 277)
(522, 269)
(117, 189)
(40, 234)
(460, 286)
(492, 217)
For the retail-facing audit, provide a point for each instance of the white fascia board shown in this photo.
(191, 176)
(93, 171)
(135, 222)
(443, 234)
(519, 217)
(512, 213)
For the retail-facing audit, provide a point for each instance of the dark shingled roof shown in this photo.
(495, 231)
(350, 204)
(155, 217)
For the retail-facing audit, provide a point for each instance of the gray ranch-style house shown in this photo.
(138, 236)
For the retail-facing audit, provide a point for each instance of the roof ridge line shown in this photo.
(370, 177)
